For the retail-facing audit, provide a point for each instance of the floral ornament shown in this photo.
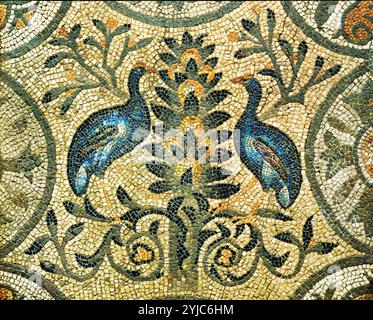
(9, 293)
(266, 44)
(189, 132)
(339, 155)
(190, 78)
(23, 164)
(224, 243)
(105, 78)
(177, 5)
(191, 167)
(141, 251)
(233, 247)
(355, 23)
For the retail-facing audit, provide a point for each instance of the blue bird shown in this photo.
(108, 134)
(266, 151)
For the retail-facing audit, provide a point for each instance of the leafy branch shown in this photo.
(106, 77)
(294, 56)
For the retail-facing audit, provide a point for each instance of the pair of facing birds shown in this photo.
(108, 134)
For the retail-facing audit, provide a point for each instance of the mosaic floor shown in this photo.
(175, 149)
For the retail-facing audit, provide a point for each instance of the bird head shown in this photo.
(248, 80)
(141, 67)
(242, 79)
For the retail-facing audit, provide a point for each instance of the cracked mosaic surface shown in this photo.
(175, 149)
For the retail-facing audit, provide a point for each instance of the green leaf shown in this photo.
(92, 214)
(212, 62)
(53, 94)
(250, 26)
(301, 53)
(167, 80)
(86, 261)
(191, 67)
(271, 23)
(59, 42)
(187, 39)
(272, 73)
(121, 29)
(344, 190)
(172, 44)
(142, 43)
(100, 26)
(271, 214)
(324, 247)
(323, 12)
(246, 52)
(68, 102)
(171, 98)
(168, 58)
(307, 232)
(215, 119)
(286, 237)
(166, 115)
(73, 208)
(159, 187)
(214, 98)
(54, 59)
(159, 169)
(214, 81)
(215, 174)
(339, 125)
(37, 245)
(199, 40)
(331, 72)
(330, 140)
(207, 50)
(275, 261)
(153, 229)
(75, 32)
(51, 221)
(124, 197)
(92, 42)
(49, 267)
(191, 104)
(187, 177)
(73, 231)
(287, 49)
(220, 191)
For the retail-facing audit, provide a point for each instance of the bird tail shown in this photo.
(283, 197)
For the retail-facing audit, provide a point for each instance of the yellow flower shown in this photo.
(20, 24)
(207, 69)
(233, 37)
(196, 169)
(176, 67)
(256, 9)
(2, 15)
(6, 294)
(71, 91)
(191, 123)
(189, 86)
(131, 43)
(70, 75)
(112, 23)
(225, 257)
(62, 31)
(191, 53)
(142, 254)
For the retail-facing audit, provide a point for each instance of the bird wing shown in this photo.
(270, 156)
(99, 139)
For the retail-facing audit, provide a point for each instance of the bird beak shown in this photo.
(242, 79)
(147, 67)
